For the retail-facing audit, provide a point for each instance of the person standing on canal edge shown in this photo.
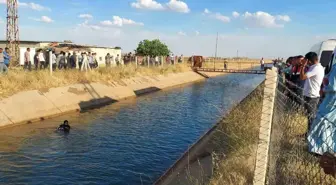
(41, 59)
(313, 81)
(7, 57)
(53, 60)
(3, 67)
(117, 60)
(36, 63)
(108, 60)
(27, 62)
(262, 63)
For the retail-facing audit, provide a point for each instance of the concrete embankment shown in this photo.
(36, 105)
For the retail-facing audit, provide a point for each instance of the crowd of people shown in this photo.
(310, 87)
(304, 76)
(74, 60)
(62, 60)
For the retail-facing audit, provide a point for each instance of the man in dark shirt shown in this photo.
(73, 60)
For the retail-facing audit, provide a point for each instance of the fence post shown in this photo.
(148, 61)
(265, 127)
(162, 61)
(136, 61)
(50, 62)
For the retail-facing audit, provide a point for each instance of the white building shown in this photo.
(67, 47)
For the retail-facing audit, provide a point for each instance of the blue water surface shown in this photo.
(130, 142)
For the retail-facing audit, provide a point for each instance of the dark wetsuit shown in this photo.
(64, 127)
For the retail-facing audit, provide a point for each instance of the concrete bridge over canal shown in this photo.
(246, 67)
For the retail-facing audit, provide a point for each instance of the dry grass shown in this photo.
(293, 163)
(236, 141)
(290, 162)
(18, 80)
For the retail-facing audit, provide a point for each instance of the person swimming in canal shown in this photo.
(65, 127)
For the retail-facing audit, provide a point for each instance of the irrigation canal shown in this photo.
(129, 142)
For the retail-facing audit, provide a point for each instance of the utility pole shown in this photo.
(216, 51)
(12, 33)
(216, 45)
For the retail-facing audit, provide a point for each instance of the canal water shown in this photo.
(130, 142)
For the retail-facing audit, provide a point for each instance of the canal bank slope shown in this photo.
(36, 105)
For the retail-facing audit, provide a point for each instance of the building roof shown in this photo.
(84, 46)
(31, 41)
(63, 44)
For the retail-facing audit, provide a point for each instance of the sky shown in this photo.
(247, 28)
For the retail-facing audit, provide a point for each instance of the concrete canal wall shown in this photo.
(36, 105)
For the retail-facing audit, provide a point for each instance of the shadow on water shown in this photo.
(99, 102)
(96, 103)
(145, 91)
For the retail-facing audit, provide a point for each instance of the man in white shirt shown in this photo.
(53, 59)
(313, 81)
(172, 59)
(41, 59)
(262, 63)
(85, 63)
(90, 59)
(117, 60)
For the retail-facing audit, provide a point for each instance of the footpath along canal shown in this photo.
(129, 142)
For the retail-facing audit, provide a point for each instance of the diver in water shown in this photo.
(65, 127)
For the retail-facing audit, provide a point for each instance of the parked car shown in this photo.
(331, 62)
(324, 50)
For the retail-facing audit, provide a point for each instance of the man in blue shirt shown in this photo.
(3, 67)
(6, 56)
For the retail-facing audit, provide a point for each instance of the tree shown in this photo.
(152, 48)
